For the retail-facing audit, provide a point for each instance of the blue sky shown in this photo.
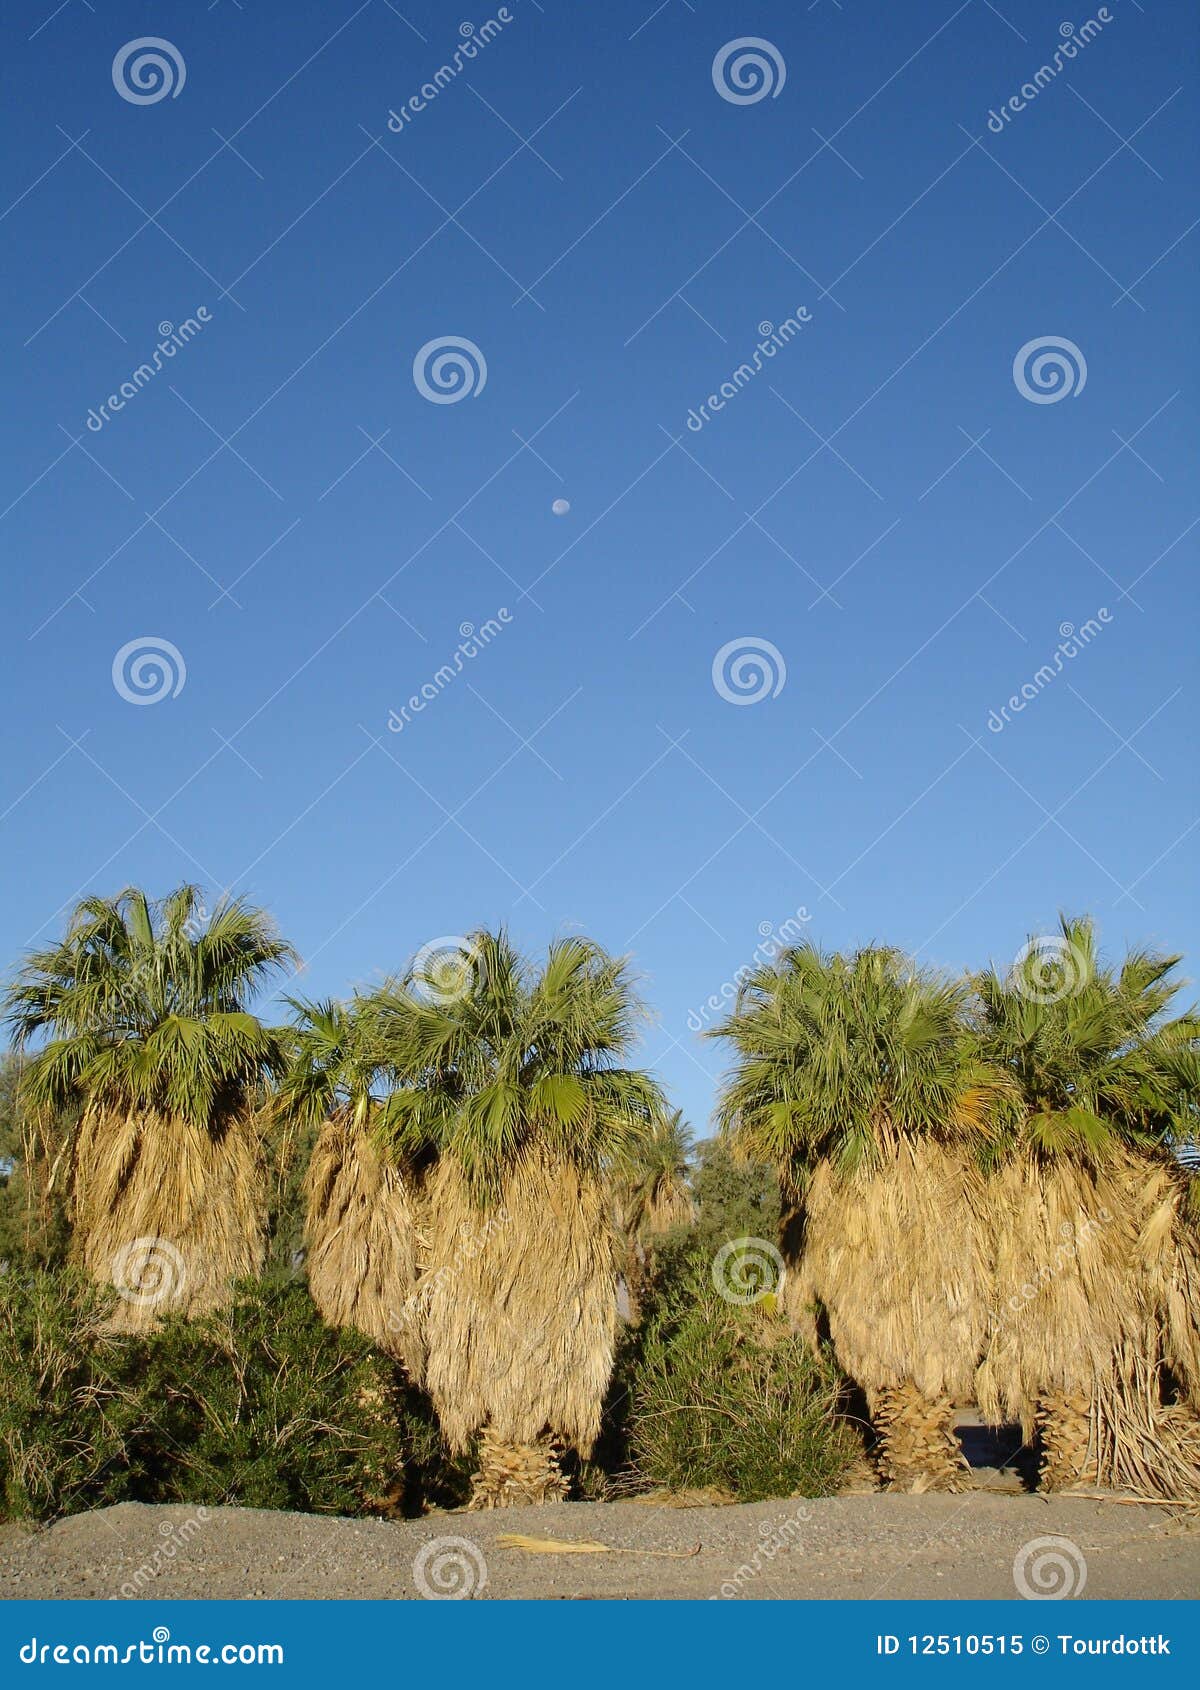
(880, 502)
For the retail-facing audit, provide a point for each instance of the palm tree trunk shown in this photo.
(1064, 1422)
(512, 1474)
(917, 1449)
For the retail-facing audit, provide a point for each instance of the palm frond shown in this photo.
(143, 1006)
(839, 1057)
(1092, 1053)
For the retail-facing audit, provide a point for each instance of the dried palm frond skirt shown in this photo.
(896, 1256)
(363, 1231)
(168, 1214)
(1095, 1327)
(520, 1311)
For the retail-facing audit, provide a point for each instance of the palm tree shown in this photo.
(362, 1209)
(143, 1010)
(653, 1198)
(853, 1078)
(1097, 1256)
(516, 1076)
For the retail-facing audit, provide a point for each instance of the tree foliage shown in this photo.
(838, 1058)
(1094, 1057)
(515, 1057)
(143, 1008)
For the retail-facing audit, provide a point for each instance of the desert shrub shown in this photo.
(262, 1405)
(259, 1404)
(68, 1404)
(727, 1398)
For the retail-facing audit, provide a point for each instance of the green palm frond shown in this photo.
(838, 1057)
(656, 1189)
(499, 1058)
(142, 1006)
(332, 1062)
(1090, 1049)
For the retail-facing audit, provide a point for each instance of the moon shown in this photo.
(560, 507)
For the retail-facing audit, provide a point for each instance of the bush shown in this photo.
(67, 1403)
(259, 1404)
(263, 1406)
(727, 1398)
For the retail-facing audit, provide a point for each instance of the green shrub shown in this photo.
(67, 1402)
(727, 1398)
(263, 1406)
(258, 1404)
(734, 1199)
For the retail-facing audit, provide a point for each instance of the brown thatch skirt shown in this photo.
(364, 1238)
(520, 1306)
(167, 1213)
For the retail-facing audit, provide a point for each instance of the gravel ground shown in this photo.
(849, 1546)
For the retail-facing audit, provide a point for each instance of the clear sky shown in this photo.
(880, 500)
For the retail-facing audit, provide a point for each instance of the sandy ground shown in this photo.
(849, 1546)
